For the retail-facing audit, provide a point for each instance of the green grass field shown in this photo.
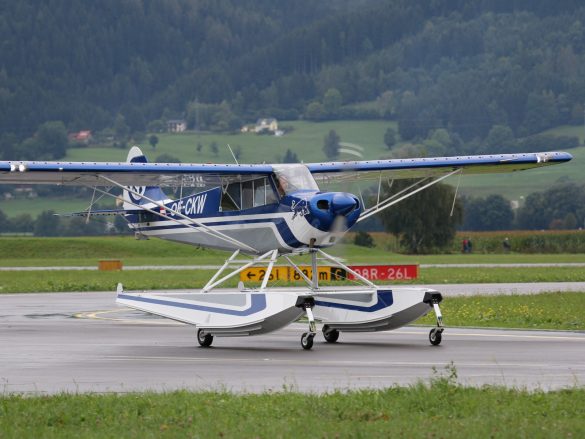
(306, 140)
(43, 252)
(74, 280)
(560, 311)
(568, 130)
(439, 409)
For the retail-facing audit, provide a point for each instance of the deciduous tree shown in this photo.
(491, 213)
(390, 138)
(423, 221)
(331, 145)
(153, 140)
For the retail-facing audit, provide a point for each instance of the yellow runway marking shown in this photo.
(98, 315)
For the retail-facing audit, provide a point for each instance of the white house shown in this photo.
(269, 124)
(176, 126)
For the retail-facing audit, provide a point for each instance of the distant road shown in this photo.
(126, 268)
(215, 267)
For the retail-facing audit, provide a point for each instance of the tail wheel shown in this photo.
(204, 339)
(331, 335)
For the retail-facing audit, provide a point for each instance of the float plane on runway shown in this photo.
(267, 213)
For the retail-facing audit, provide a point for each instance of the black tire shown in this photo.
(307, 341)
(204, 340)
(331, 335)
(435, 337)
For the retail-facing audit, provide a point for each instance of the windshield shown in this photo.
(292, 178)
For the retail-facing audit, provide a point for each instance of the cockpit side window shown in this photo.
(247, 194)
(263, 192)
(231, 197)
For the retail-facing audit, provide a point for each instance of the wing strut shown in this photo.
(456, 190)
(390, 201)
(90, 206)
(206, 229)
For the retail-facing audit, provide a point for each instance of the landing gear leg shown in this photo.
(307, 337)
(436, 334)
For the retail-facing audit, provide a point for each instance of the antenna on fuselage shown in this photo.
(233, 155)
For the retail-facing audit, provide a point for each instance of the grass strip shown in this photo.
(30, 251)
(540, 311)
(441, 409)
(72, 280)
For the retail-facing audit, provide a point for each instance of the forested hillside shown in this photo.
(485, 74)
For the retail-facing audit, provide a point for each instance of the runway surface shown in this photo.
(82, 342)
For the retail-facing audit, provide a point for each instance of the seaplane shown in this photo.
(268, 214)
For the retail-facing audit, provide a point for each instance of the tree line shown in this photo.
(468, 67)
(427, 221)
(47, 223)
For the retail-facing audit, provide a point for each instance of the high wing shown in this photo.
(177, 174)
(335, 172)
(130, 174)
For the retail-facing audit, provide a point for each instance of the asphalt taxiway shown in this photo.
(83, 342)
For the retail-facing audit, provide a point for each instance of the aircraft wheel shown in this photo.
(204, 340)
(307, 341)
(435, 337)
(331, 335)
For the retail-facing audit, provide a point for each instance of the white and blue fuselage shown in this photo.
(270, 213)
